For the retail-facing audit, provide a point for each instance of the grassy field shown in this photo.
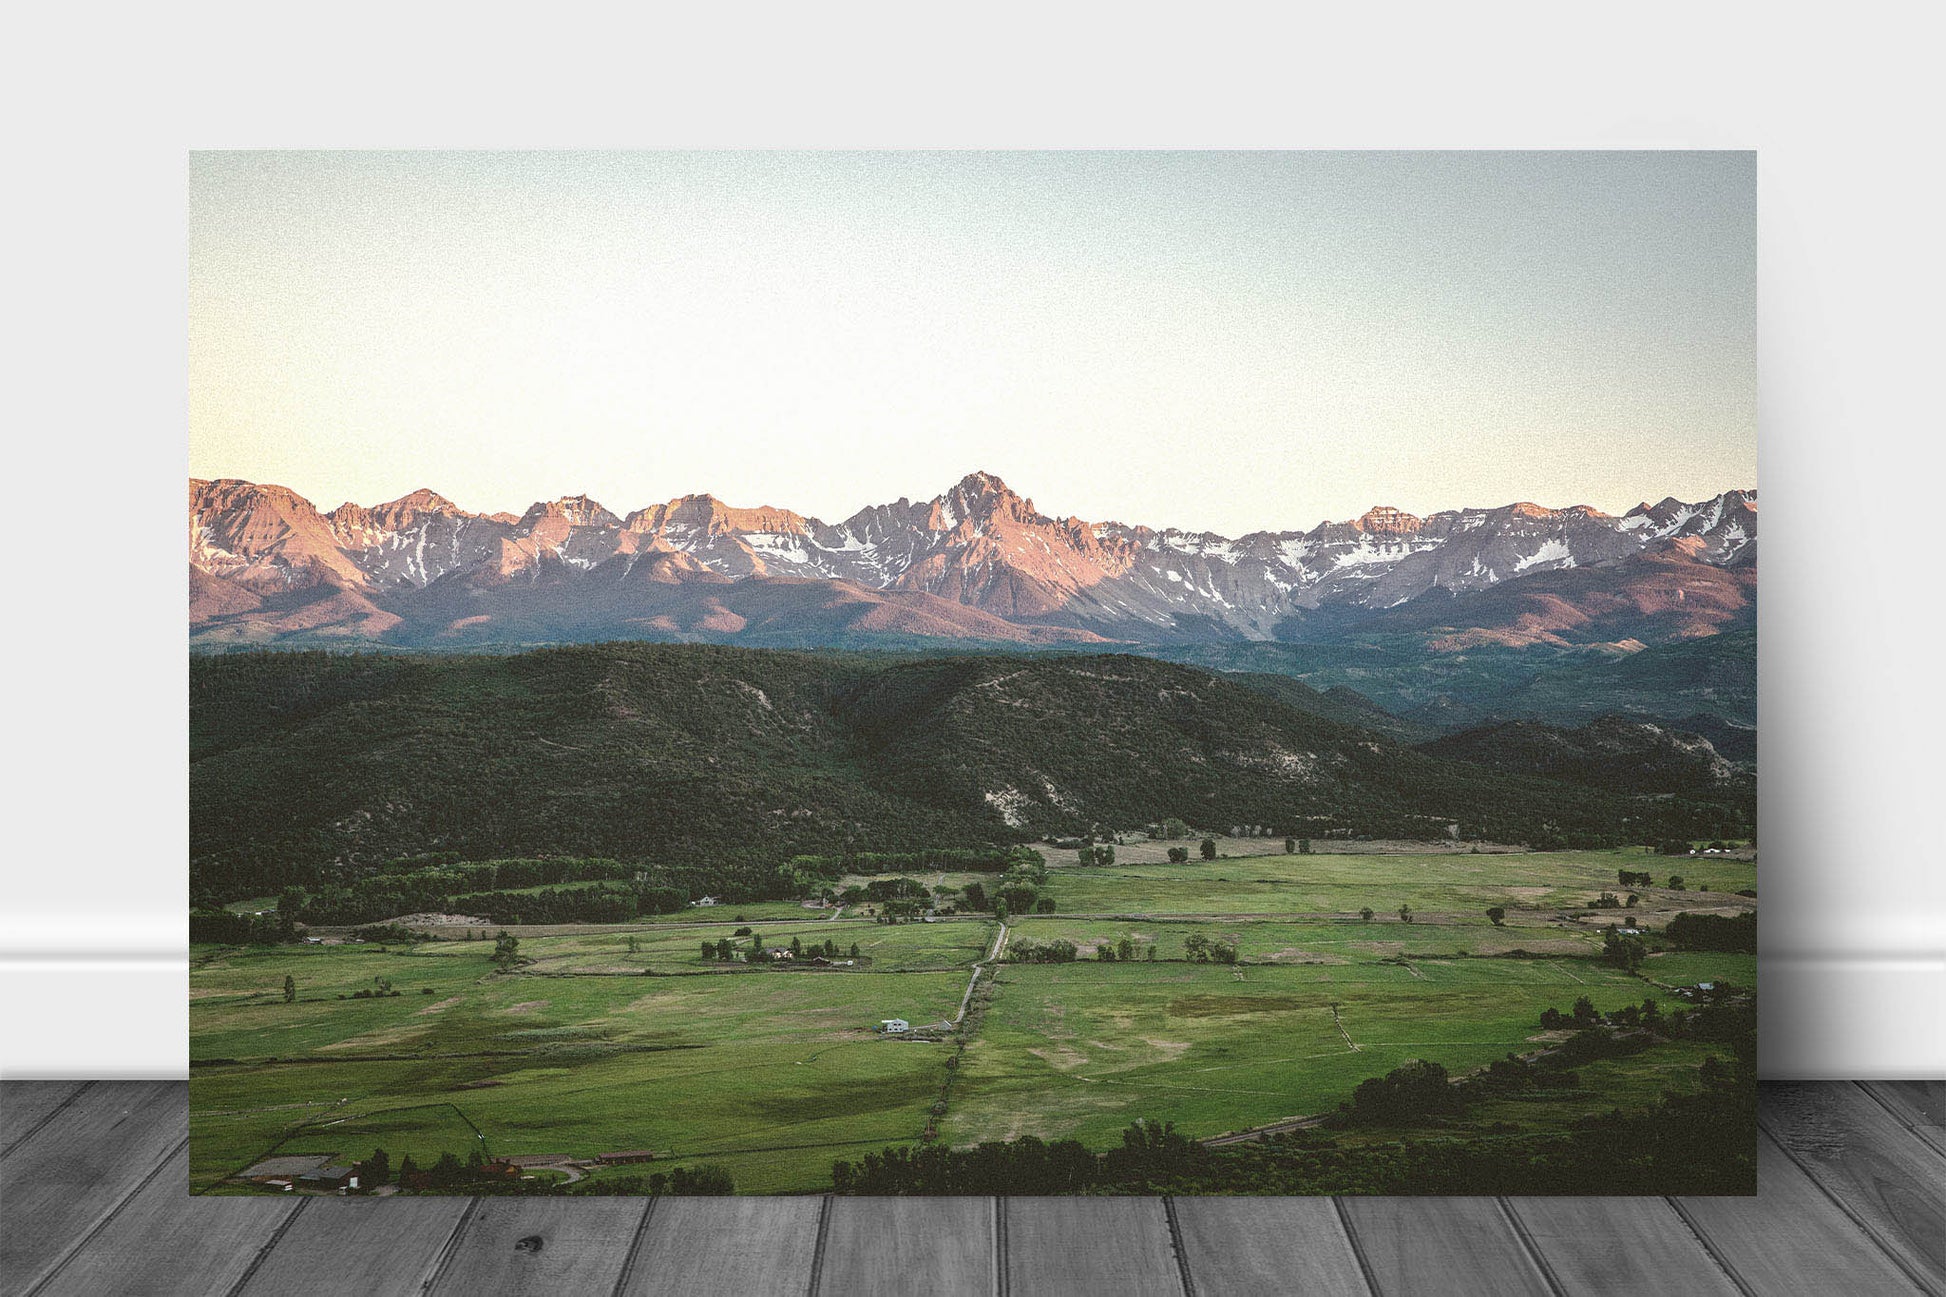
(625, 1037)
(952, 943)
(1433, 885)
(700, 1066)
(1083, 1049)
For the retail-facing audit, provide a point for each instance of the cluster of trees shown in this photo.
(1199, 949)
(1151, 1153)
(1018, 891)
(218, 926)
(451, 1174)
(1583, 1015)
(1125, 951)
(1623, 949)
(723, 950)
(1026, 950)
(580, 903)
(381, 988)
(1700, 1144)
(975, 860)
(1730, 933)
(1409, 1093)
(445, 1175)
(1725, 1015)
(540, 890)
(803, 873)
(1103, 854)
(706, 1181)
(1634, 878)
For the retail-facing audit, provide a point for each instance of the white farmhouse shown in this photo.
(895, 1026)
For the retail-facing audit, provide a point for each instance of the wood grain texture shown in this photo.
(1251, 1246)
(1871, 1165)
(1621, 1245)
(1459, 1247)
(754, 1246)
(24, 1105)
(89, 1156)
(522, 1246)
(1788, 1240)
(95, 1202)
(369, 1246)
(165, 1243)
(1918, 1105)
(1076, 1245)
(887, 1247)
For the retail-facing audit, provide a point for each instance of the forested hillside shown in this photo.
(710, 765)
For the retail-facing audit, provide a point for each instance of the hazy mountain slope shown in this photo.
(1611, 752)
(1715, 675)
(1450, 690)
(1341, 704)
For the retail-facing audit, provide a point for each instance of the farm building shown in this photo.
(629, 1155)
(704, 900)
(328, 1179)
(894, 1026)
(282, 1172)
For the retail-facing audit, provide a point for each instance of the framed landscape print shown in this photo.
(972, 673)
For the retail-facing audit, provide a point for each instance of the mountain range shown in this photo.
(976, 563)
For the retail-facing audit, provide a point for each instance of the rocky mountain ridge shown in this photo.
(978, 561)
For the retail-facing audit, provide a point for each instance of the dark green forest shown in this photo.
(703, 768)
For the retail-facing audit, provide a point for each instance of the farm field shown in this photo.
(607, 1038)
(1083, 1049)
(699, 1066)
(1432, 884)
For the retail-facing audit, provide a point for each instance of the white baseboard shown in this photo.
(82, 1017)
(1864, 1017)
(1824, 1016)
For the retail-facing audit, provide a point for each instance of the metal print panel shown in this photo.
(1019, 673)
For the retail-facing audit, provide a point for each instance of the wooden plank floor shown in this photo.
(1852, 1199)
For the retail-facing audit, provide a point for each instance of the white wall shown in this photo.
(1842, 110)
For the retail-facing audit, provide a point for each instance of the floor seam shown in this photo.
(1526, 1241)
(1710, 1249)
(1176, 1246)
(1850, 1215)
(269, 1244)
(95, 1230)
(999, 1246)
(1357, 1248)
(627, 1271)
(1905, 1122)
(817, 1254)
(450, 1248)
(50, 1115)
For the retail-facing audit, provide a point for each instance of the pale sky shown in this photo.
(1215, 341)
